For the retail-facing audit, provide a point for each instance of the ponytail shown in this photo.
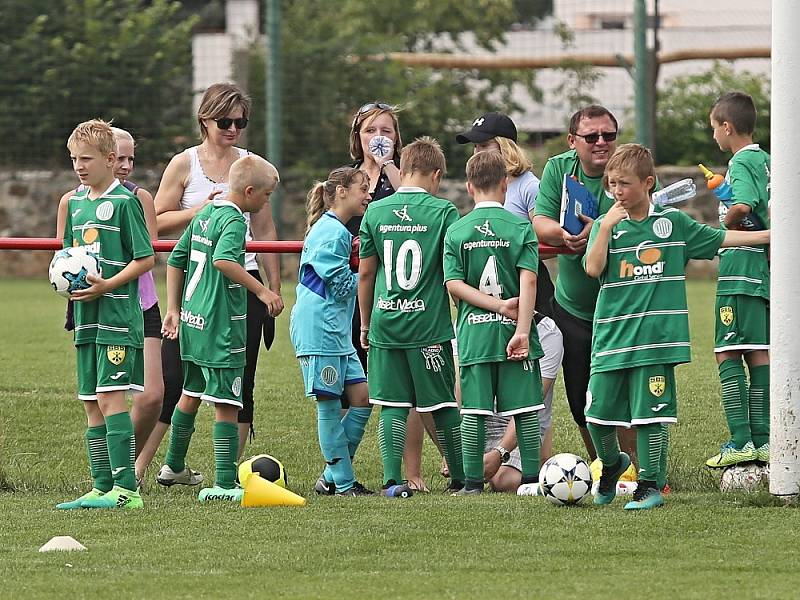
(315, 204)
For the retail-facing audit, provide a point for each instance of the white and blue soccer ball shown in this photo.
(565, 479)
(69, 269)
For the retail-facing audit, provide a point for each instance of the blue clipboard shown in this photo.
(576, 200)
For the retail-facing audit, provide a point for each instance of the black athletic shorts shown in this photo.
(152, 322)
(577, 335)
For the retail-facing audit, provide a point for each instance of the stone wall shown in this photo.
(29, 200)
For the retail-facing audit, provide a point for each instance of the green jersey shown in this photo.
(486, 249)
(575, 291)
(213, 328)
(405, 231)
(641, 316)
(113, 227)
(744, 269)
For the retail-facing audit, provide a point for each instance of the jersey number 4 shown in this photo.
(488, 283)
(398, 265)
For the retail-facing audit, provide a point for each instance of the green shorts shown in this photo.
(327, 376)
(412, 377)
(217, 385)
(108, 369)
(635, 396)
(741, 323)
(506, 388)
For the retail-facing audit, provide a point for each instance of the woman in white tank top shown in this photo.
(192, 179)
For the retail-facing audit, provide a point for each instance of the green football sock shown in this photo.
(529, 441)
(392, 440)
(179, 438)
(121, 449)
(99, 465)
(649, 446)
(604, 438)
(448, 432)
(662, 463)
(226, 449)
(734, 401)
(473, 440)
(759, 404)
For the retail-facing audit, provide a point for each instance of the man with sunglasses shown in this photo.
(592, 140)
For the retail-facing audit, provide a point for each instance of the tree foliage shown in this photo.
(72, 60)
(682, 114)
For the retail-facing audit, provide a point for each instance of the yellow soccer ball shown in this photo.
(266, 466)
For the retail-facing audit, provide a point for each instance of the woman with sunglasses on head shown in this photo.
(193, 178)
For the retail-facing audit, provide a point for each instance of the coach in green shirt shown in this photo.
(592, 140)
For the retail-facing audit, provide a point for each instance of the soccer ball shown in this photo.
(565, 479)
(69, 268)
(266, 466)
(744, 478)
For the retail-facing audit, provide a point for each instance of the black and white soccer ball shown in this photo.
(744, 478)
(69, 269)
(565, 479)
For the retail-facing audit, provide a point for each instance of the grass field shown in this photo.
(703, 544)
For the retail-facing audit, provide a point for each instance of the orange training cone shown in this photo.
(260, 492)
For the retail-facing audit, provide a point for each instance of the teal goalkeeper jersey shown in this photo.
(213, 328)
(113, 227)
(486, 249)
(745, 269)
(641, 316)
(405, 232)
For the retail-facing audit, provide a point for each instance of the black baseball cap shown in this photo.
(488, 126)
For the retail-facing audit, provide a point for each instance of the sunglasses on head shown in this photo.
(371, 106)
(592, 138)
(226, 122)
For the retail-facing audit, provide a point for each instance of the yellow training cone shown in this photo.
(260, 492)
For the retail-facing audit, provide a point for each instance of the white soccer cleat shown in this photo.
(166, 476)
(529, 489)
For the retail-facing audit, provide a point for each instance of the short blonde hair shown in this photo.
(631, 158)
(122, 134)
(423, 155)
(486, 170)
(219, 100)
(516, 161)
(366, 118)
(252, 170)
(97, 134)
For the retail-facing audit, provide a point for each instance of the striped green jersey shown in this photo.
(486, 249)
(405, 232)
(641, 317)
(213, 329)
(745, 269)
(113, 227)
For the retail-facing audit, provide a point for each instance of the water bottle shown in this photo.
(723, 191)
(399, 491)
(685, 189)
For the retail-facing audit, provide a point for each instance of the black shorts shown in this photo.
(152, 322)
(577, 335)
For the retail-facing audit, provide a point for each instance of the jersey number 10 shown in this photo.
(400, 265)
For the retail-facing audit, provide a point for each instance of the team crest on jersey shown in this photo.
(662, 227)
(236, 388)
(329, 375)
(657, 385)
(726, 315)
(105, 211)
(115, 354)
(402, 214)
(434, 361)
(485, 229)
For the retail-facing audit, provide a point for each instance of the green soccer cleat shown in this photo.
(762, 453)
(731, 455)
(645, 497)
(607, 489)
(92, 494)
(219, 494)
(117, 498)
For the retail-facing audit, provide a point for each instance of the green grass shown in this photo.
(703, 544)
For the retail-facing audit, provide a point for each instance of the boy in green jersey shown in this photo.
(638, 252)
(210, 309)
(405, 313)
(741, 316)
(490, 262)
(107, 219)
